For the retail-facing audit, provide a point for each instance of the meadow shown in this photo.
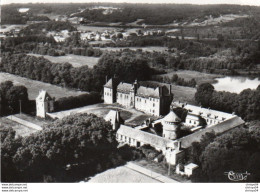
(74, 60)
(198, 76)
(35, 86)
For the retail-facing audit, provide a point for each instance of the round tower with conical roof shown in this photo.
(171, 123)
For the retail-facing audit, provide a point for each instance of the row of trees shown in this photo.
(237, 151)
(127, 67)
(246, 104)
(71, 102)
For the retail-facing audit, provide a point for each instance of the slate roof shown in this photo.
(114, 117)
(205, 112)
(145, 137)
(148, 92)
(172, 117)
(218, 128)
(43, 95)
(124, 87)
(109, 84)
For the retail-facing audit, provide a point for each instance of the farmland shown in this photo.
(74, 60)
(198, 76)
(35, 86)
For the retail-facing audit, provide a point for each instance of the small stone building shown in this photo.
(115, 119)
(44, 104)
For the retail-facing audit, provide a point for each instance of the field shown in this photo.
(35, 86)
(149, 49)
(95, 28)
(8, 28)
(20, 129)
(121, 175)
(180, 93)
(74, 60)
(198, 76)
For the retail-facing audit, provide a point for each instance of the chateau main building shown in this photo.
(154, 101)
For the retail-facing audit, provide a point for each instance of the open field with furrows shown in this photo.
(35, 86)
(20, 129)
(198, 76)
(74, 60)
(148, 49)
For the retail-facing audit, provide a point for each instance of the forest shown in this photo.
(67, 150)
(152, 14)
(236, 150)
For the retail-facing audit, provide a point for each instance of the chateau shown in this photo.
(153, 101)
(164, 134)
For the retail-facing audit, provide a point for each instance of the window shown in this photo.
(190, 121)
(153, 104)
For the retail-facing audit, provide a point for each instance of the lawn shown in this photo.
(74, 60)
(140, 119)
(35, 86)
(180, 93)
(148, 49)
(198, 76)
(121, 174)
(20, 129)
(161, 169)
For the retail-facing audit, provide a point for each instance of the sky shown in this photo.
(241, 2)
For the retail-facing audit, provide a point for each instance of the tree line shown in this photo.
(126, 67)
(245, 104)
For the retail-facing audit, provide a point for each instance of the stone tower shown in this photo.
(171, 123)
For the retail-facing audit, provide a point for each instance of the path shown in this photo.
(24, 122)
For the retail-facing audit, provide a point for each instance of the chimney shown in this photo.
(170, 89)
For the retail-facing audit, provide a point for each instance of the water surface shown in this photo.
(235, 84)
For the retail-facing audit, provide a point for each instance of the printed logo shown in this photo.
(233, 176)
